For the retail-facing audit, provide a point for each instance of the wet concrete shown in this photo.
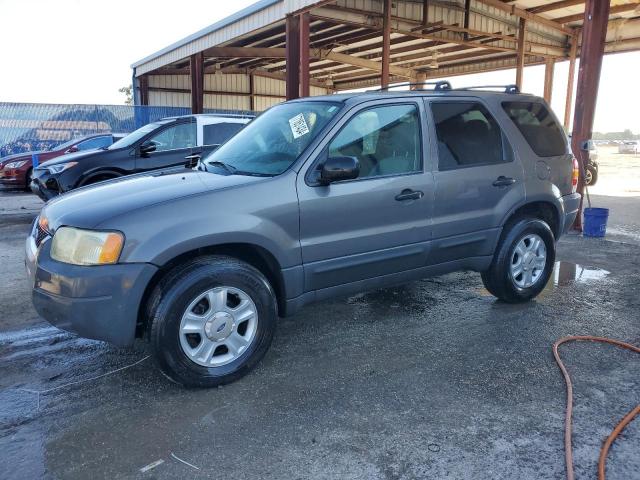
(430, 380)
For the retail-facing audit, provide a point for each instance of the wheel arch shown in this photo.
(255, 255)
(86, 178)
(543, 209)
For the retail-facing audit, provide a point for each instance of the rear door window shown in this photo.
(468, 136)
(218, 133)
(538, 126)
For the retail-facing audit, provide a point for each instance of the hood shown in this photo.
(70, 157)
(89, 206)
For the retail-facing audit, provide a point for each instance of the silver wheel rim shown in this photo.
(218, 326)
(588, 176)
(528, 261)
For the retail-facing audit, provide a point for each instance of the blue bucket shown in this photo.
(595, 222)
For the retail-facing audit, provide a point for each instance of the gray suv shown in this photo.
(316, 198)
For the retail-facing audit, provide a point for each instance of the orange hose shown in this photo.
(568, 452)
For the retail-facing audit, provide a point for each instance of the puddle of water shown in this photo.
(566, 273)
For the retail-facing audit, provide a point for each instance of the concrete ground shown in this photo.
(434, 379)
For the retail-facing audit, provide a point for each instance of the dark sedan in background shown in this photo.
(16, 170)
(166, 143)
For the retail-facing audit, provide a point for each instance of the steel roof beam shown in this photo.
(405, 27)
(519, 12)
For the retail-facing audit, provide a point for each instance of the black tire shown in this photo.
(498, 279)
(591, 176)
(28, 177)
(178, 289)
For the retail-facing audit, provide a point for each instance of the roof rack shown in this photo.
(512, 88)
(438, 86)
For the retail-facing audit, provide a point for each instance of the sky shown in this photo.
(75, 51)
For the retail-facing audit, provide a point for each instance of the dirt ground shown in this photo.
(435, 379)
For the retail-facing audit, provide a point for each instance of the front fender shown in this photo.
(87, 176)
(264, 214)
(187, 236)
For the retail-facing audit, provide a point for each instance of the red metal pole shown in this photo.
(522, 28)
(549, 65)
(197, 82)
(252, 91)
(144, 90)
(304, 55)
(386, 42)
(293, 56)
(572, 73)
(596, 17)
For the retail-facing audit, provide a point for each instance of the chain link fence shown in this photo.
(26, 127)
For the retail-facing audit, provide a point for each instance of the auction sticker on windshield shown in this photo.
(298, 126)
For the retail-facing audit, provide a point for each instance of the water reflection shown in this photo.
(567, 273)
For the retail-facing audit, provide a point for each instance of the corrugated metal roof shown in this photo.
(346, 38)
(245, 12)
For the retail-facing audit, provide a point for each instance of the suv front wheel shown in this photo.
(523, 261)
(212, 321)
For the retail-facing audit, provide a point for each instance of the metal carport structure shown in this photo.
(241, 62)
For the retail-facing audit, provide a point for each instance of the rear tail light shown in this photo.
(575, 176)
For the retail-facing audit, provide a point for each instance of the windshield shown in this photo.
(274, 141)
(70, 143)
(136, 135)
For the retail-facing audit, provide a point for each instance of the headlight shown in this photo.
(86, 247)
(17, 164)
(61, 167)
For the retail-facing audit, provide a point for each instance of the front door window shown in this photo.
(385, 140)
(182, 135)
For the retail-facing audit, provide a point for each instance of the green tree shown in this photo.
(128, 91)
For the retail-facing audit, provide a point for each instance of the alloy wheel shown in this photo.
(218, 326)
(528, 261)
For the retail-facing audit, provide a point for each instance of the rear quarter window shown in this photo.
(539, 128)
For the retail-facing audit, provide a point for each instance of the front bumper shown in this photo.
(44, 187)
(570, 207)
(12, 177)
(98, 302)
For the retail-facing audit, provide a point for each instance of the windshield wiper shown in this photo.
(229, 168)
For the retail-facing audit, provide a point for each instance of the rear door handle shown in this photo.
(503, 181)
(408, 194)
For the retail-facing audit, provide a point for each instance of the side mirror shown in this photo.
(72, 149)
(192, 160)
(147, 147)
(336, 169)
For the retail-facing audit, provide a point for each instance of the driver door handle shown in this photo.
(503, 181)
(408, 194)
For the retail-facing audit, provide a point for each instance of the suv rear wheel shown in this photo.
(212, 321)
(523, 261)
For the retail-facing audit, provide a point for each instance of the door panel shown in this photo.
(354, 230)
(478, 180)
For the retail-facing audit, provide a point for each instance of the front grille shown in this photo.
(40, 234)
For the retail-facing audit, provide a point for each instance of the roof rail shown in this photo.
(438, 86)
(512, 88)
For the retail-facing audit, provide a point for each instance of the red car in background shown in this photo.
(15, 170)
